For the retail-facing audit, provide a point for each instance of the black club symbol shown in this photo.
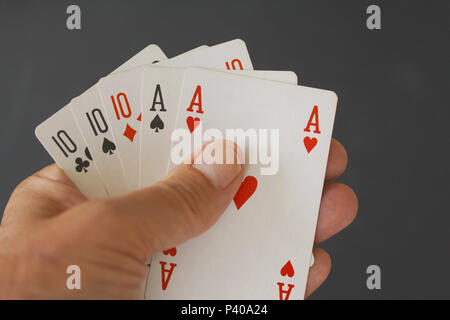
(81, 165)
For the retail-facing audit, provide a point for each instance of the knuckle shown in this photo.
(48, 188)
(26, 185)
(31, 185)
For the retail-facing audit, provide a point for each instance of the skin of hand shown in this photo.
(48, 225)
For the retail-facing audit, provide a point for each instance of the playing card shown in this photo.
(158, 124)
(261, 247)
(61, 138)
(161, 92)
(161, 89)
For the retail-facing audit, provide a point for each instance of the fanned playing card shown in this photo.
(261, 247)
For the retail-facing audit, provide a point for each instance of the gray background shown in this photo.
(392, 115)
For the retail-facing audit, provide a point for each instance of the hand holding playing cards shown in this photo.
(49, 225)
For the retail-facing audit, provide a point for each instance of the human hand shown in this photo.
(48, 225)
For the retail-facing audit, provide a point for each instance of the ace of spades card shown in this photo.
(261, 247)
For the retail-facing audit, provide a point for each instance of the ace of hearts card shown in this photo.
(261, 247)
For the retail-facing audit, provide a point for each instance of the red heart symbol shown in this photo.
(192, 123)
(245, 191)
(309, 143)
(171, 251)
(287, 269)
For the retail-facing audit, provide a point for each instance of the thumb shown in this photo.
(184, 204)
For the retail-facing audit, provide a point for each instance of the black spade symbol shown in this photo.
(108, 146)
(157, 124)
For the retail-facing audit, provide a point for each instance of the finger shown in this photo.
(319, 271)
(183, 205)
(338, 208)
(42, 195)
(337, 160)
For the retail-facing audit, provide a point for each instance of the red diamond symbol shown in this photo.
(140, 117)
(129, 133)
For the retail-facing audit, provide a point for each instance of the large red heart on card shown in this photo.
(309, 143)
(287, 270)
(171, 251)
(192, 123)
(247, 188)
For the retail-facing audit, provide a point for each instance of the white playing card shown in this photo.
(161, 89)
(161, 92)
(61, 138)
(261, 247)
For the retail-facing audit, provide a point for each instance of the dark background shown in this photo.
(393, 110)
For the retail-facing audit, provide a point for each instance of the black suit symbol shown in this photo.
(157, 124)
(81, 165)
(108, 146)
